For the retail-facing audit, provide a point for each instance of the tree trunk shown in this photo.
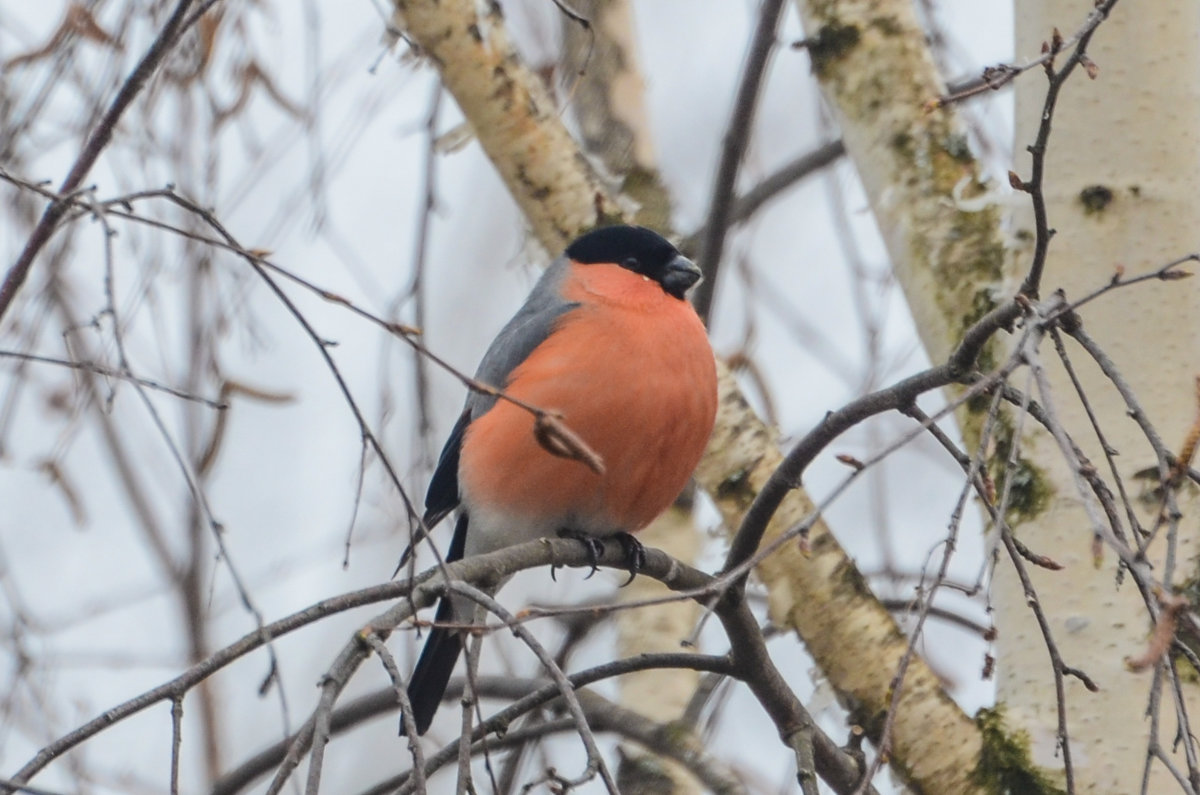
(1120, 191)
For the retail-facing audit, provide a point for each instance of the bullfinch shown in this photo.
(608, 340)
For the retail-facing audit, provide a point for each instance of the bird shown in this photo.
(608, 341)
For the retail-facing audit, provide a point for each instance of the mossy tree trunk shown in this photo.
(1122, 170)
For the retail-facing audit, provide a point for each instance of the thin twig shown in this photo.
(176, 740)
(383, 702)
(1035, 185)
(560, 440)
(1135, 525)
(774, 184)
(167, 37)
(596, 763)
(733, 149)
(108, 372)
(996, 77)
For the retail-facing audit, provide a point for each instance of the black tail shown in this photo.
(432, 674)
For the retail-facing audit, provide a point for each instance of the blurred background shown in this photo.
(315, 135)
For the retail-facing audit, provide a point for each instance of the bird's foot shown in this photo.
(635, 552)
(594, 547)
(635, 555)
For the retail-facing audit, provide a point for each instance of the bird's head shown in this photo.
(642, 251)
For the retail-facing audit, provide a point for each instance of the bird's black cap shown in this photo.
(639, 249)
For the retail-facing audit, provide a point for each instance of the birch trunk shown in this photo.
(1122, 170)
(941, 231)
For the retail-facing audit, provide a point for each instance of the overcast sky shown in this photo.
(83, 599)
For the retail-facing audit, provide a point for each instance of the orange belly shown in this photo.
(632, 373)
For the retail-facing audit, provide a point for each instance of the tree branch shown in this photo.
(167, 36)
(733, 149)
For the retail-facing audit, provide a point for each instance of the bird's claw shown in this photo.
(635, 552)
(635, 555)
(593, 546)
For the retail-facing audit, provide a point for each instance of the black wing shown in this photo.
(429, 679)
(442, 496)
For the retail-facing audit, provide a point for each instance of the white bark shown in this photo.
(1132, 131)
(942, 233)
(941, 230)
(662, 694)
(512, 115)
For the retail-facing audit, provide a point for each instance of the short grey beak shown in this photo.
(679, 276)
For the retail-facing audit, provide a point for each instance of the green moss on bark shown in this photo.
(1004, 763)
(832, 42)
(1029, 491)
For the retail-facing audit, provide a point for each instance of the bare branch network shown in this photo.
(552, 728)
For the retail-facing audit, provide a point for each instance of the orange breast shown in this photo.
(632, 373)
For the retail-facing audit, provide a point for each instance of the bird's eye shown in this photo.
(631, 263)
